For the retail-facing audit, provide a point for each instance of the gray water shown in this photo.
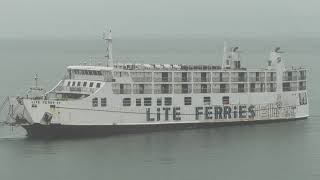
(289, 150)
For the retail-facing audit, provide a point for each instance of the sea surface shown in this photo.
(283, 151)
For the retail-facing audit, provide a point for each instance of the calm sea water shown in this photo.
(289, 150)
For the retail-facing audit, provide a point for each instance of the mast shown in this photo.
(108, 39)
(225, 60)
(36, 78)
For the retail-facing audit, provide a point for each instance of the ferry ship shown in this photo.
(95, 100)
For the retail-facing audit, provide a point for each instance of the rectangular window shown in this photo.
(286, 86)
(126, 101)
(84, 84)
(203, 77)
(121, 89)
(167, 101)
(272, 88)
(187, 101)
(252, 87)
(165, 77)
(164, 88)
(220, 77)
(95, 102)
(261, 87)
(138, 102)
(241, 88)
(272, 76)
(204, 88)
(290, 76)
(257, 76)
(79, 84)
(225, 100)
(185, 88)
(91, 84)
(147, 101)
(141, 88)
(184, 77)
(98, 85)
(242, 77)
(207, 100)
(223, 88)
(103, 102)
(159, 102)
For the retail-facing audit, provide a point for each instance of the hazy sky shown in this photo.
(87, 18)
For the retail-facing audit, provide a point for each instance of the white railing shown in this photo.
(80, 90)
(221, 90)
(183, 91)
(142, 91)
(165, 79)
(218, 79)
(141, 79)
(202, 90)
(121, 91)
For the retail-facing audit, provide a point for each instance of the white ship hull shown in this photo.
(75, 119)
(74, 131)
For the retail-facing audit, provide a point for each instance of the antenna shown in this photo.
(36, 78)
(224, 58)
(107, 36)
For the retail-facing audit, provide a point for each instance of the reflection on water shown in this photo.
(246, 151)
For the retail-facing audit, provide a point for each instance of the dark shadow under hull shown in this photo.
(77, 131)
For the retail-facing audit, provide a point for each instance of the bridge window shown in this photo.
(73, 83)
(84, 84)
(98, 85)
(126, 101)
(95, 102)
(167, 101)
(79, 84)
(187, 101)
(69, 83)
(103, 102)
(91, 84)
(147, 101)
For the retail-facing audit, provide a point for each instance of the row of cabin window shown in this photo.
(87, 72)
(95, 102)
(147, 101)
(168, 101)
(205, 76)
(84, 84)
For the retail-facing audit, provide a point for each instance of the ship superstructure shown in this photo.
(117, 98)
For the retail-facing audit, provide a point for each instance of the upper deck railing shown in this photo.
(78, 90)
